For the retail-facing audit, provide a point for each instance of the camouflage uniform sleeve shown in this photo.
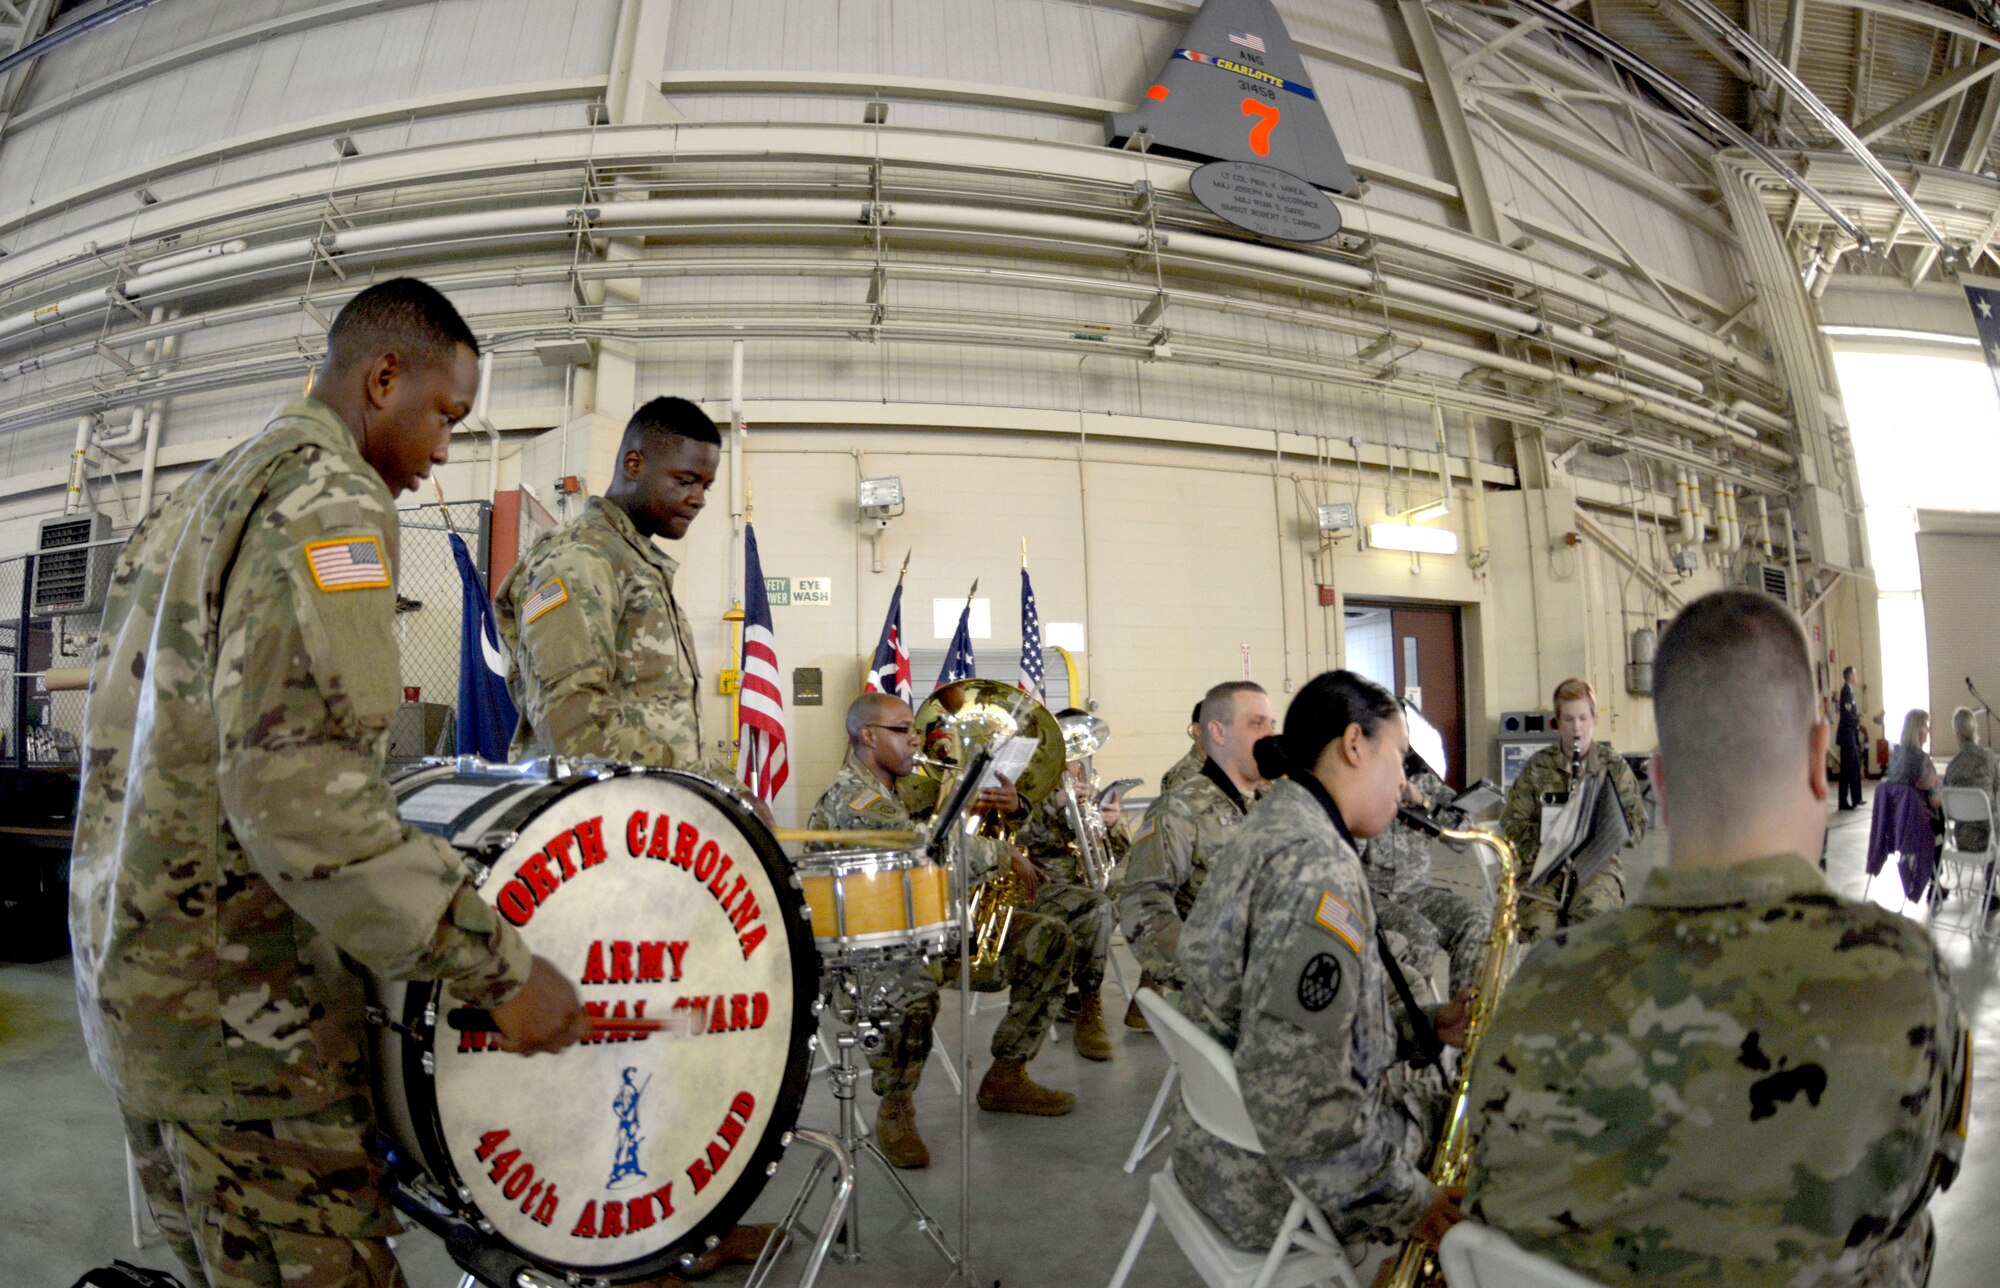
(1160, 863)
(1521, 817)
(305, 686)
(1297, 1058)
(569, 651)
(1629, 796)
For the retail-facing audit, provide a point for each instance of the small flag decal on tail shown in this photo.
(1248, 41)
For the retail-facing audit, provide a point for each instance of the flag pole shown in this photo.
(443, 509)
(906, 567)
(1024, 554)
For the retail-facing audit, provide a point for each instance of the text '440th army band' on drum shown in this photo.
(310, 982)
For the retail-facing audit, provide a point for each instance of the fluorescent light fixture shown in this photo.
(1418, 541)
(1428, 510)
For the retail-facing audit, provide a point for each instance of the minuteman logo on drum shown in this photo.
(625, 1167)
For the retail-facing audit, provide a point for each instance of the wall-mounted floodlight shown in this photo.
(1338, 517)
(1415, 540)
(880, 499)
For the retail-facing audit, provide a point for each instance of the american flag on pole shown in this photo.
(1984, 298)
(889, 672)
(762, 763)
(1032, 680)
(958, 663)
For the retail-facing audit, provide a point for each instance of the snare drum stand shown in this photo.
(856, 1140)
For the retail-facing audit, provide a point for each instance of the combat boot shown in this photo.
(1092, 1042)
(896, 1133)
(1136, 1018)
(1007, 1089)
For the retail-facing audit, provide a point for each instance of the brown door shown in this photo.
(1424, 649)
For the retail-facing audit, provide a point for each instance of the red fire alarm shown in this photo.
(1326, 597)
(569, 485)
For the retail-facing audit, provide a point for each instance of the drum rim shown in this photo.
(421, 1011)
(842, 862)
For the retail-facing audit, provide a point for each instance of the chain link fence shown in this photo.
(51, 625)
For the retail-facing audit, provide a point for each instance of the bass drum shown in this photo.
(659, 897)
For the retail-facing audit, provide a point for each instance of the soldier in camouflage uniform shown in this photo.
(1743, 1078)
(1177, 842)
(238, 854)
(1426, 917)
(604, 658)
(1546, 778)
(1973, 766)
(1190, 763)
(1282, 970)
(882, 746)
(1066, 893)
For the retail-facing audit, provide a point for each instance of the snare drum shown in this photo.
(659, 897)
(874, 903)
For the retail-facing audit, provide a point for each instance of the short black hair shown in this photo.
(1320, 714)
(665, 418)
(410, 317)
(1846, 671)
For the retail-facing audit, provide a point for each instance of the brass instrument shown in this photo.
(1083, 736)
(952, 724)
(1419, 1264)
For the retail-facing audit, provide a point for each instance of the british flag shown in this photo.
(889, 672)
(762, 762)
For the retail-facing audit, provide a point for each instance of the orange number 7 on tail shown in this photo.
(1267, 120)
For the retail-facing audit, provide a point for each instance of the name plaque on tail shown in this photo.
(1265, 200)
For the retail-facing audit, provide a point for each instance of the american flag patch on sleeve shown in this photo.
(349, 563)
(551, 595)
(1334, 914)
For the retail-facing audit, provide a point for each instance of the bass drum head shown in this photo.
(659, 897)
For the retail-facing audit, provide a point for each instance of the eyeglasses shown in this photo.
(901, 729)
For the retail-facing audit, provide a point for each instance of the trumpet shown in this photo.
(1418, 1264)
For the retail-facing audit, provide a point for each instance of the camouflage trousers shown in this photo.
(1034, 963)
(1432, 919)
(276, 1203)
(1090, 916)
(1604, 892)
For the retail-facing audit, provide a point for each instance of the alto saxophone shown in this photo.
(1418, 1264)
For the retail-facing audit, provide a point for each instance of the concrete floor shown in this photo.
(1050, 1207)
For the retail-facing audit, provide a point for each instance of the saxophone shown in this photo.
(1419, 1264)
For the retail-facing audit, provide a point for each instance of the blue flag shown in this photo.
(486, 715)
(958, 664)
(1985, 303)
(889, 670)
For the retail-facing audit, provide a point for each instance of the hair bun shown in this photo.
(1273, 761)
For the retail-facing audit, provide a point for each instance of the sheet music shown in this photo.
(1010, 758)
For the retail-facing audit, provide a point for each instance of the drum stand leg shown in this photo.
(843, 1219)
(833, 1154)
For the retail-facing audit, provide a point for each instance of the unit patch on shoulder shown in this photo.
(1319, 982)
(551, 595)
(1335, 916)
(347, 563)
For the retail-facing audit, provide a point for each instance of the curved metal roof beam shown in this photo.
(1774, 67)
(1682, 97)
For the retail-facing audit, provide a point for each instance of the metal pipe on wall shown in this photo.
(553, 220)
